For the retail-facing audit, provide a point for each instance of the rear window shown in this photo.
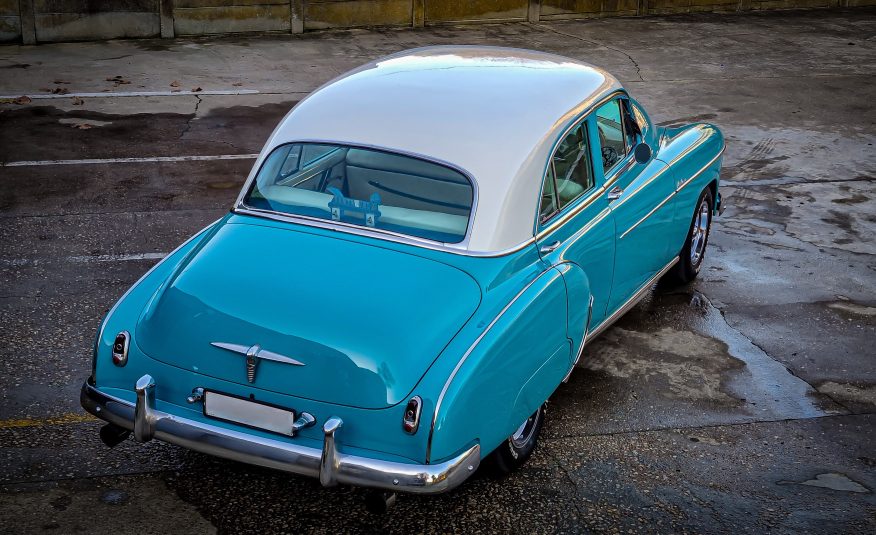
(365, 187)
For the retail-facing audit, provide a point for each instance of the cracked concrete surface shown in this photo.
(743, 403)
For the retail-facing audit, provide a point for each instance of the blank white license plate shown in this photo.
(248, 413)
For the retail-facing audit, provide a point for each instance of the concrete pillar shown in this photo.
(28, 23)
(165, 14)
(296, 16)
(419, 13)
(534, 12)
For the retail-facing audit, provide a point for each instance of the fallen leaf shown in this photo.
(195, 90)
(175, 90)
(174, 83)
(237, 84)
(24, 99)
(61, 82)
(114, 78)
(78, 101)
(60, 91)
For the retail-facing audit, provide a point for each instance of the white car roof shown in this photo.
(491, 112)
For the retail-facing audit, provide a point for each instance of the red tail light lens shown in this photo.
(411, 419)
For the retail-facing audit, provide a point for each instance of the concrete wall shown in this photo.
(39, 21)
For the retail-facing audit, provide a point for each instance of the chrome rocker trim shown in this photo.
(329, 465)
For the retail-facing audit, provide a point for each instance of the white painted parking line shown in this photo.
(85, 259)
(104, 94)
(90, 161)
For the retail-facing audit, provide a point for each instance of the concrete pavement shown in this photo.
(742, 403)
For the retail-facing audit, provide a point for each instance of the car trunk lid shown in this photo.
(365, 322)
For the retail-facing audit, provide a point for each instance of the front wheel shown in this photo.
(691, 256)
(516, 449)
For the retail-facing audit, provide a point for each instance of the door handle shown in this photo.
(549, 248)
(615, 193)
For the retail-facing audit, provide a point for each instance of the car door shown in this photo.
(574, 224)
(640, 197)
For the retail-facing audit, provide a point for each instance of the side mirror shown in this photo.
(642, 153)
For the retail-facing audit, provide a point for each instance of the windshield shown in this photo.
(365, 187)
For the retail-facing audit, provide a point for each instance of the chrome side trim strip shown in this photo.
(288, 456)
(641, 187)
(465, 357)
(630, 303)
(649, 214)
(680, 187)
(560, 221)
(701, 171)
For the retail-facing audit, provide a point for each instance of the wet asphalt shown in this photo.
(741, 403)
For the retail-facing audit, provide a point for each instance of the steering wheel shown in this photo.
(609, 156)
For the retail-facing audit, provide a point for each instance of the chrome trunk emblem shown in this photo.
(253, 354)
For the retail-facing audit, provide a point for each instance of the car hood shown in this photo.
(366, 322)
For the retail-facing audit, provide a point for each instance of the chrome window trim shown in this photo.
(382, 235)
(542, 228)
(458, 247)
(465, 356)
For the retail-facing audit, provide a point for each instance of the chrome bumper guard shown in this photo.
(329, 465)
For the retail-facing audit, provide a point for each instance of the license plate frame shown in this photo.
(249, 413)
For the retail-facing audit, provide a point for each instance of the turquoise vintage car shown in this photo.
(419, 257)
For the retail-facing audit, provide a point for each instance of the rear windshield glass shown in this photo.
(365, 187)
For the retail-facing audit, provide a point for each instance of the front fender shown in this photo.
(509, 371)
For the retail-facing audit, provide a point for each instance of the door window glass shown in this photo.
(612, 137)
(569, 173)
(571, 163)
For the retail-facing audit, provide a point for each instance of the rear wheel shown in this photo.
(516, 449)
(694, 250)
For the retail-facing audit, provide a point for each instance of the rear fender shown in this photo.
(509, 371)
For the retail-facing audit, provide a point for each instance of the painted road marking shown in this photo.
(103, 94)
(69, 418)
(90, 161)
(85, 259)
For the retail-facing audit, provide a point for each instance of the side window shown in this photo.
(612, 134)
(569, 174)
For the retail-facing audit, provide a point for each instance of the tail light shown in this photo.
(411, 420)
(120, 348)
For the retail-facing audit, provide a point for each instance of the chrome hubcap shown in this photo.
(524, 432)
(699, 232)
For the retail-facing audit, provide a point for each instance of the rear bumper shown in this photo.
(328, 464)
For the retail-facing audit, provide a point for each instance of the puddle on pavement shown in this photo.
(832, 481)
(684, 338)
